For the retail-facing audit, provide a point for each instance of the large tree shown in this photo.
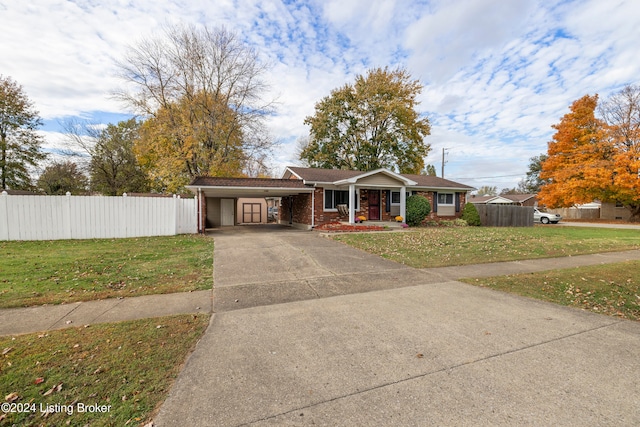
(370, 124)
(114, 168)
(487, 190)
(621, 111)
(592, 158)
(578, 164)
(19, 142)
(61, 177)
(532, 183)
(201, 91)
(109, 157)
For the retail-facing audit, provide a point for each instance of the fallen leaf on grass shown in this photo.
(6, 350)
(39, 380)
(11, 397)
(56, 388)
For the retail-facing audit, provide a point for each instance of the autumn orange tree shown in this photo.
(622, 114)
(591, 158)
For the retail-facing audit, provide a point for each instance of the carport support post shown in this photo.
(403, 203)
(352, 208)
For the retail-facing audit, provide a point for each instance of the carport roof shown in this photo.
(248, 187)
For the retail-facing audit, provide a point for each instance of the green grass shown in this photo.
(612, 289)
(129, 366)
(52, 272)
(446, 246)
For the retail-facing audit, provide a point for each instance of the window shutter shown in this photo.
(387, 204)
(435, 202)
(457, 202)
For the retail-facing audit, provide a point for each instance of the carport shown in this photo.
(218, 199)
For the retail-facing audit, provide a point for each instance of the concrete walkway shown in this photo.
(417, 349)
(48, 317)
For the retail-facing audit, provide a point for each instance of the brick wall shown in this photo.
(302, 208)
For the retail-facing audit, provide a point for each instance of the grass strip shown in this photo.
(448, 246)
(52, 272)
(125, 368)
(612, 289)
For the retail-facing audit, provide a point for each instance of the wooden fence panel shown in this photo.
(90, 217)
(577, 213)
(505, 215)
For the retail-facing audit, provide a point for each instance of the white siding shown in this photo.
(88, 217)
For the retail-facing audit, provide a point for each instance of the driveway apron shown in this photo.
(256, 266)
(433, 352)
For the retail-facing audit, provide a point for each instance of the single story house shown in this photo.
(506, 199)
(311, 197)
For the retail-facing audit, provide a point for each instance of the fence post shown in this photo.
(4, 211)
(68, 234)
(176, 206)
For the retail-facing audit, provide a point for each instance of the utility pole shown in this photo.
(443, 162)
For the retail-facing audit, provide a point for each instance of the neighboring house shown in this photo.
(311, 197)
(614, 211)
(506, 199)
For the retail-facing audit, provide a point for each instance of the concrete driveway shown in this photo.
(262, 265)
(419, 351)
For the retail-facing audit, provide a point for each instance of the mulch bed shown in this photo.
(342, 228)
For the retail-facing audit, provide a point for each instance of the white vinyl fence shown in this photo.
(89, 217)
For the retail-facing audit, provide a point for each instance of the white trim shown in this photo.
(352, 209)
(403, 203)
(292, 173)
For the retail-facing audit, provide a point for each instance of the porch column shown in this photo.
(403, 204)
(352, 208)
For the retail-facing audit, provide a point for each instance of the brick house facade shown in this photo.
(310, 197)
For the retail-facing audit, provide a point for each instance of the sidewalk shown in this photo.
(50, 317)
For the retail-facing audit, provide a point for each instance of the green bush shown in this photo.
(418, 207)
(470, 214)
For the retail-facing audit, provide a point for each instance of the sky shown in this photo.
(496, 74)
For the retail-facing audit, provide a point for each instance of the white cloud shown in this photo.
(497, 75)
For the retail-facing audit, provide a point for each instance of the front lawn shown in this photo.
(52, 272)
(446, 246)
(612, 289)
(124, 369)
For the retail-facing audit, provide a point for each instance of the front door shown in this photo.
(226, 212)
(374, 205)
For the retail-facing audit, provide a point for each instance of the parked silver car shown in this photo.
(545, 217)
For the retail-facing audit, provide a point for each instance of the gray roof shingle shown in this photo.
(332, 175)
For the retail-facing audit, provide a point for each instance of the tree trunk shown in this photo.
(635, 213)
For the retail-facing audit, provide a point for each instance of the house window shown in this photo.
(333, 198)
(395, 197)
(445, 198)
(619, 205)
